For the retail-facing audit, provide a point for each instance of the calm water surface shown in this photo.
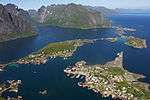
(50, 76)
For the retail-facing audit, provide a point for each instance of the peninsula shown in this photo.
(111, 79)
(58, 49)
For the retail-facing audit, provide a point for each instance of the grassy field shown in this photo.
(58, 49)
(2, 98)
(115, 71)
(141, 94)
(53, 48)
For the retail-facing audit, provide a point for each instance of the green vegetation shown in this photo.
(116, 71)
(72, 22)
(110, 80)
(113, 39)
(54, 48)
(17, 26)
(136, 91)
(34, 19)
(1, 98)
(136, 42)
(59, 49)
(13, 36)
(73, 16)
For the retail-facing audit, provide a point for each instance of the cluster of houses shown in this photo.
(33, 59)
(100, 80)
(11, 86)
(41, 58)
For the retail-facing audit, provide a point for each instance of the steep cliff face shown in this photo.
(32, 12)
(42, 14)
(72, 15)
(14, 23)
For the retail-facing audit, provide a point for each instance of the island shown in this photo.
(52, 50)
(112, 40)
(131, 40)
(43, 92)
(10, 86)
(122, 30)
(136, 42)
(110, 79)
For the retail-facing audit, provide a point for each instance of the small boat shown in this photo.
(77, 76)
(34, 72)
(80, 84)
(44, 92)
(1, 70)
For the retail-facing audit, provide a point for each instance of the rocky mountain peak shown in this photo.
(14, 22)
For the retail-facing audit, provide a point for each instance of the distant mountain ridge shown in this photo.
(72, 16)
(14, 23)
(103, 10)
(134, 11)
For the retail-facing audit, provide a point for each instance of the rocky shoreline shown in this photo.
(111, 79)
(52, 50)
(136, 42)
(112, 40)
(131, 41)
(11, 86)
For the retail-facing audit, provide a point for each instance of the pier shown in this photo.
(110, 79)
(12, 86)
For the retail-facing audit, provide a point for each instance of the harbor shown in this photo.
(10, 86)
(52, 50)
(110, 79)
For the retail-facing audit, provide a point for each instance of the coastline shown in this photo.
(63, 49)
(111, 79)
(22, 37)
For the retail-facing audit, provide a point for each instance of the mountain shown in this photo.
(14, 23)
(132, 11)
(73, 16)
(32, 12)
(103, 10)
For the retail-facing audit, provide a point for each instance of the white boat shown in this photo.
(1, 70)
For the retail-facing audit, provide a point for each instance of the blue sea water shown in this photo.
(50, 76)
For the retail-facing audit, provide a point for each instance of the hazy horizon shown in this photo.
(112, 4)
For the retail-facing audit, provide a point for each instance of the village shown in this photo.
(110, 79)
(10, 86)
(52, 50)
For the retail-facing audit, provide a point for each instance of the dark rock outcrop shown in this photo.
(14, 23)
(72, 15)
